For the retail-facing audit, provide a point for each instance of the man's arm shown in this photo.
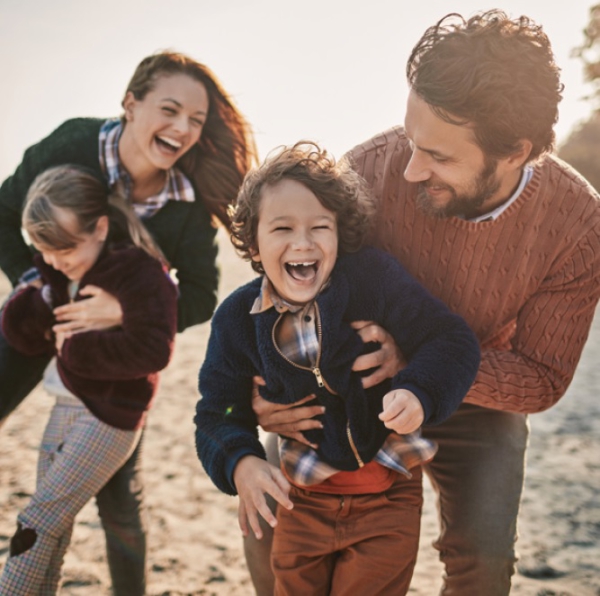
(550, 333)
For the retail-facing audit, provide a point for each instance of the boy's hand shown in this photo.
(402, 411)
(388, 360)
(253, 477)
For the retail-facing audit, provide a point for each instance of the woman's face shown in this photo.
(166, 123)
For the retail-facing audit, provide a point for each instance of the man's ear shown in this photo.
(521, 156)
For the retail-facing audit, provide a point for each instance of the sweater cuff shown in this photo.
(232, 461)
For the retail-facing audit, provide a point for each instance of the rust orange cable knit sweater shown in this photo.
(527, 283)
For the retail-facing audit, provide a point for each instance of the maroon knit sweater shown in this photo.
(527, 283)
(114, 372)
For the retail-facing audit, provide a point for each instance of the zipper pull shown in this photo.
(317, 372)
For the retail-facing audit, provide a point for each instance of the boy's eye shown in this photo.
(282, 229)
(322, 227)
(168, 110)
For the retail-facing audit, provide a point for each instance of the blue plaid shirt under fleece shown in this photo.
(297, 339)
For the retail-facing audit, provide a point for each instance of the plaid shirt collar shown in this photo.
(177, 186)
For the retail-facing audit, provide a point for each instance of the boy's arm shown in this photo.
(442, 352)
(226, 427)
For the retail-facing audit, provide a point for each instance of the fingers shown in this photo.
(242, 517)
(402, 411)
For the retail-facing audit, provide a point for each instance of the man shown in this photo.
(471, 202)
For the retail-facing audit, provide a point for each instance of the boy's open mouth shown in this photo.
(304, 271)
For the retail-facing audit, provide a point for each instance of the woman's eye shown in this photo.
(199, 123)
(168, 110)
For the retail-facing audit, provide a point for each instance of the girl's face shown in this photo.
(297, 240)
(166, 123)
(75, 262)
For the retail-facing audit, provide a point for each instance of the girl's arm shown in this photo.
(27, 322)
(143, 343)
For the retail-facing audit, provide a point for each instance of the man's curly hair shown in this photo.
(335, 184)
(495, 73)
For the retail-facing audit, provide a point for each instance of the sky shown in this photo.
(326, 70)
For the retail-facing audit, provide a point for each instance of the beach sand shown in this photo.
(195, 545)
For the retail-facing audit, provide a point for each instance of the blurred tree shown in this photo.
(582, 147)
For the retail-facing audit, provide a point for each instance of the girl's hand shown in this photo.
(388, 360)
(402, 411)
(289, 420)
(253, 477)
(101, 311)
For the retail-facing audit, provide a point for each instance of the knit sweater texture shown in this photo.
(442, 354)
(115, 371)
(183, 231)
(527, 283)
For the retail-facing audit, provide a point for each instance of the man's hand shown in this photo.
(388, 359)
(253, 477)
(289, 420)
(101, 311)
(402, 411)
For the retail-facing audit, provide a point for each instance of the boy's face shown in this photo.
(297, 240)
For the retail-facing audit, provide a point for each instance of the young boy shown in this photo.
(351, 500)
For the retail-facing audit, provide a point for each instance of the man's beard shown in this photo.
(465, 205)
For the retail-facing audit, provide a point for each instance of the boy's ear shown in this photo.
(254, 255)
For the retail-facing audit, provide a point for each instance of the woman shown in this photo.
(179, 154)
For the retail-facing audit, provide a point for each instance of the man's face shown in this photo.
(454, 175)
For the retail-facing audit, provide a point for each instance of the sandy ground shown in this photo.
(195, 544)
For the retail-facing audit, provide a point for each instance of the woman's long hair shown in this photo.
(226, 150)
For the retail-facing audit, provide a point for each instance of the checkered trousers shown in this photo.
(78, 455)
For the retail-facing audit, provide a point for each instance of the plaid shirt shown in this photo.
(297, 339)
(177, 186)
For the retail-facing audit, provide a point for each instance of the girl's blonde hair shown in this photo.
(226, 149)
(80, 191)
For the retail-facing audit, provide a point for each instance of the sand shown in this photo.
(194, 542)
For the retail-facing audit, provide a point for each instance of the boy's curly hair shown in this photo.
(335, 184)
(494, 73)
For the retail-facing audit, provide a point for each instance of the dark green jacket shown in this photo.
(183, 230)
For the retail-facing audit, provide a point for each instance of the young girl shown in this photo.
(104, 381)
(178, 154)
(350, 504)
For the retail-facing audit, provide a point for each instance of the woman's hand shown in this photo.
(289, 420)
(388, 359)
(100, 311)
(253, 477)
(402, 411)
